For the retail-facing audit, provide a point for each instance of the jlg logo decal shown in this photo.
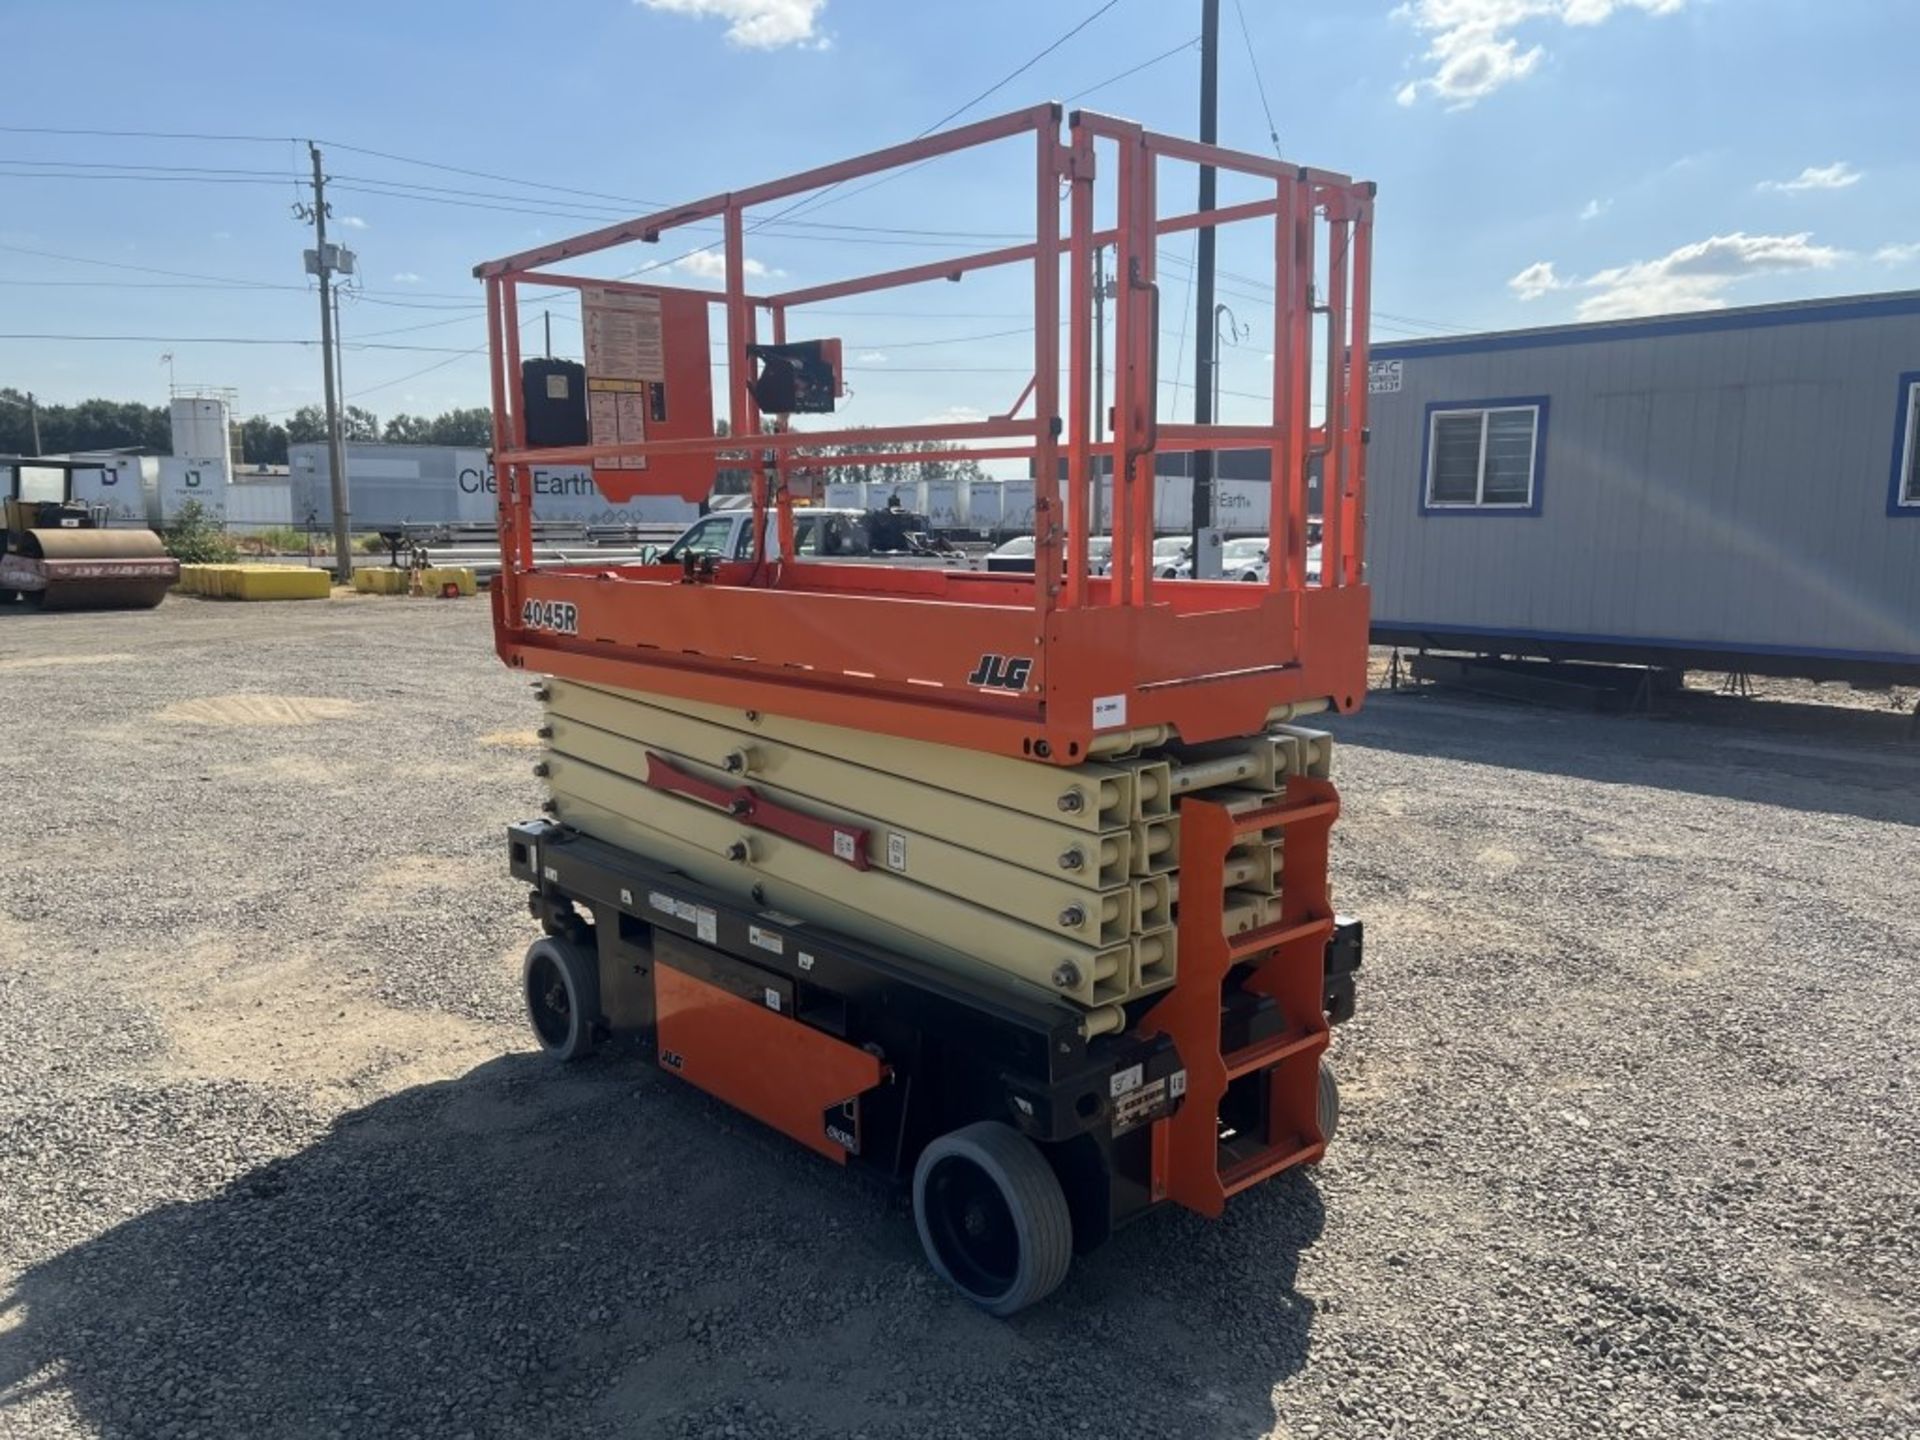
(555, 615)
(1001, 672)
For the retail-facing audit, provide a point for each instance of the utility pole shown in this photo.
(1099, 523)
(33, 420)
(546, 317)
(340, 363)
(322, 263)
(1203, 362)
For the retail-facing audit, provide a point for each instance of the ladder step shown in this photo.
(1249, 1172)
(1249, 821)
(1260, 1055)
(1269, 937)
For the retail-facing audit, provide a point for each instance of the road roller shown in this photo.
(1012, 887)
(60, 554)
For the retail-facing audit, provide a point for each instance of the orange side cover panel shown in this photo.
(758, 1060)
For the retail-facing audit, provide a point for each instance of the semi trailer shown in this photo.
(1012, 886)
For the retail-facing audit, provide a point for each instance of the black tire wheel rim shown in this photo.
(972, 1228)
(549, 1002)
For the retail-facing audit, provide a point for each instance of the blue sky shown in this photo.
(1538, 160)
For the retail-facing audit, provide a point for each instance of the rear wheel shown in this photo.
(1328, 1103)
(992, 1216)
(561, 985)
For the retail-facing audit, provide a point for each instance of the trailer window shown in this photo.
(1483, 457)
(1910, 458)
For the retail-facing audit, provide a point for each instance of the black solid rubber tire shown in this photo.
(1033, 1197)
(1328, 1111)
(576, 969)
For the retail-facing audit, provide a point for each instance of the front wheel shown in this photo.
(1328, 1103)
(992, 1216)
(560, 982)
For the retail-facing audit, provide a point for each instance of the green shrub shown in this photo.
(370, 545)
(195, 538)
(282, 540)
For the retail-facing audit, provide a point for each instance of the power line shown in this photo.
(815, 201)
(149, 285)
(127, 165)
(148, 134)
(1017, 71)
(489, 175)
(212, 340)
(141, 269)
(821, 201)
(1135, 70)
(1260, 84)
(150, 179)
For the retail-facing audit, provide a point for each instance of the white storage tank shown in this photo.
(202, 427)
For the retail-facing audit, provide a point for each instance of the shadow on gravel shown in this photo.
(1828, 759)
(521, 1252)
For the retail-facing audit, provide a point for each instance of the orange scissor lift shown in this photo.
(1058, 668)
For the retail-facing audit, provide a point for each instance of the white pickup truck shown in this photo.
(856, 537)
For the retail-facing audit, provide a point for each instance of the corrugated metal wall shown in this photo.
(1719, 481)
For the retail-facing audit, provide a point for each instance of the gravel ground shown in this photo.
(1630, 1144)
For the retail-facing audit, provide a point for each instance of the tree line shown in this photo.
(121, 424)
(125, 424)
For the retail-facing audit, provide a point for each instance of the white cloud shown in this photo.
(872, 357)
(223, 234)
(1536, 280)
(1693, 277)
(1897, 254)
(405, 277)
(756, 24)
(352, 222)
(1837, 176)
(1473, 49)
(952, 415)
(1595, 208)
(712, 265)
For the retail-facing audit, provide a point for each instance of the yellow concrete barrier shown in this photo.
(280, 582)
(380, 580)
(435, 579)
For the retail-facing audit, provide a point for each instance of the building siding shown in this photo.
(1719, 482)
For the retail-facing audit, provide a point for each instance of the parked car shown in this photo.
(1173, 557)
(1017, 555)
(871, 537)
(1244, 560)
